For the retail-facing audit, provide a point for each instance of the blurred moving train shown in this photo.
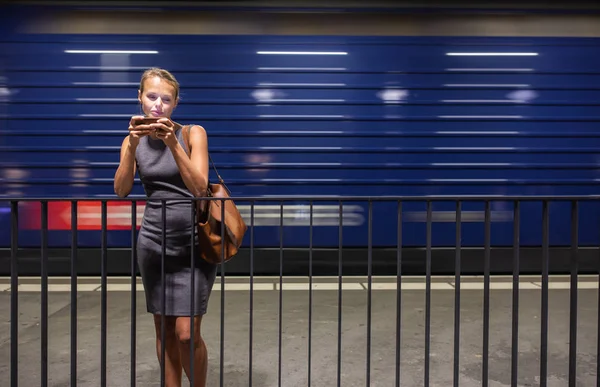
(315, 116)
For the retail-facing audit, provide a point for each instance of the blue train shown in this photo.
(315, 116)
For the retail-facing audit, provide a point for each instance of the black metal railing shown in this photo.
(398, 217)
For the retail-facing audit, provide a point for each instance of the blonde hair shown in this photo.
(163, 74)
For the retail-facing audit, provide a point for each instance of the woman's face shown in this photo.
(157, 98)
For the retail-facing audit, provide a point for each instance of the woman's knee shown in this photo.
(183, 330)
(170, 325)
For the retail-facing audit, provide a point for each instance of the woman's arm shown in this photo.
(193, 168)
(126, 171)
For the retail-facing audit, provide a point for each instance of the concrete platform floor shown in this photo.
(324, 337)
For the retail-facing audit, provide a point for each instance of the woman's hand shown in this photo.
(165, 130)
(137, 130)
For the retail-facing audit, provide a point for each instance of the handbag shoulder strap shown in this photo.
(186, 137)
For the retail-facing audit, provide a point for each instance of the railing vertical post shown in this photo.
(74, 293)
(573, 301)
(222, 355)
(14, 294)
(133, 330)
(192, 294)
(280, 292)
(340, 290)
(103, 290)
(486, 295)
(457, 273)
(598, 333)
(310, 292)
(399, 294)
(544, 322)
(251, 312)
(428, 294)
(44, 298)
(370, 289)
(163, 302)
(514, 369)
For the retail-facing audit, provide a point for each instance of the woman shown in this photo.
(158, 152)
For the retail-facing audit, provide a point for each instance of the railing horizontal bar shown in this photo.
(321, 198)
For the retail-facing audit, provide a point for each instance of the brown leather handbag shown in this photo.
(209, 220)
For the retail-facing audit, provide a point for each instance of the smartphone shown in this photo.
(147, 120)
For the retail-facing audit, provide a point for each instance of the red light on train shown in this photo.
(89, 215)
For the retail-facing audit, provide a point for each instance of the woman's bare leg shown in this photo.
(173, 361)
(183, 332)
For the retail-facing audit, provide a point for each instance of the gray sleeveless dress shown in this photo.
(161, 179)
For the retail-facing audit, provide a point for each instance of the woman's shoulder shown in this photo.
(194, 131)
(196, 128)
